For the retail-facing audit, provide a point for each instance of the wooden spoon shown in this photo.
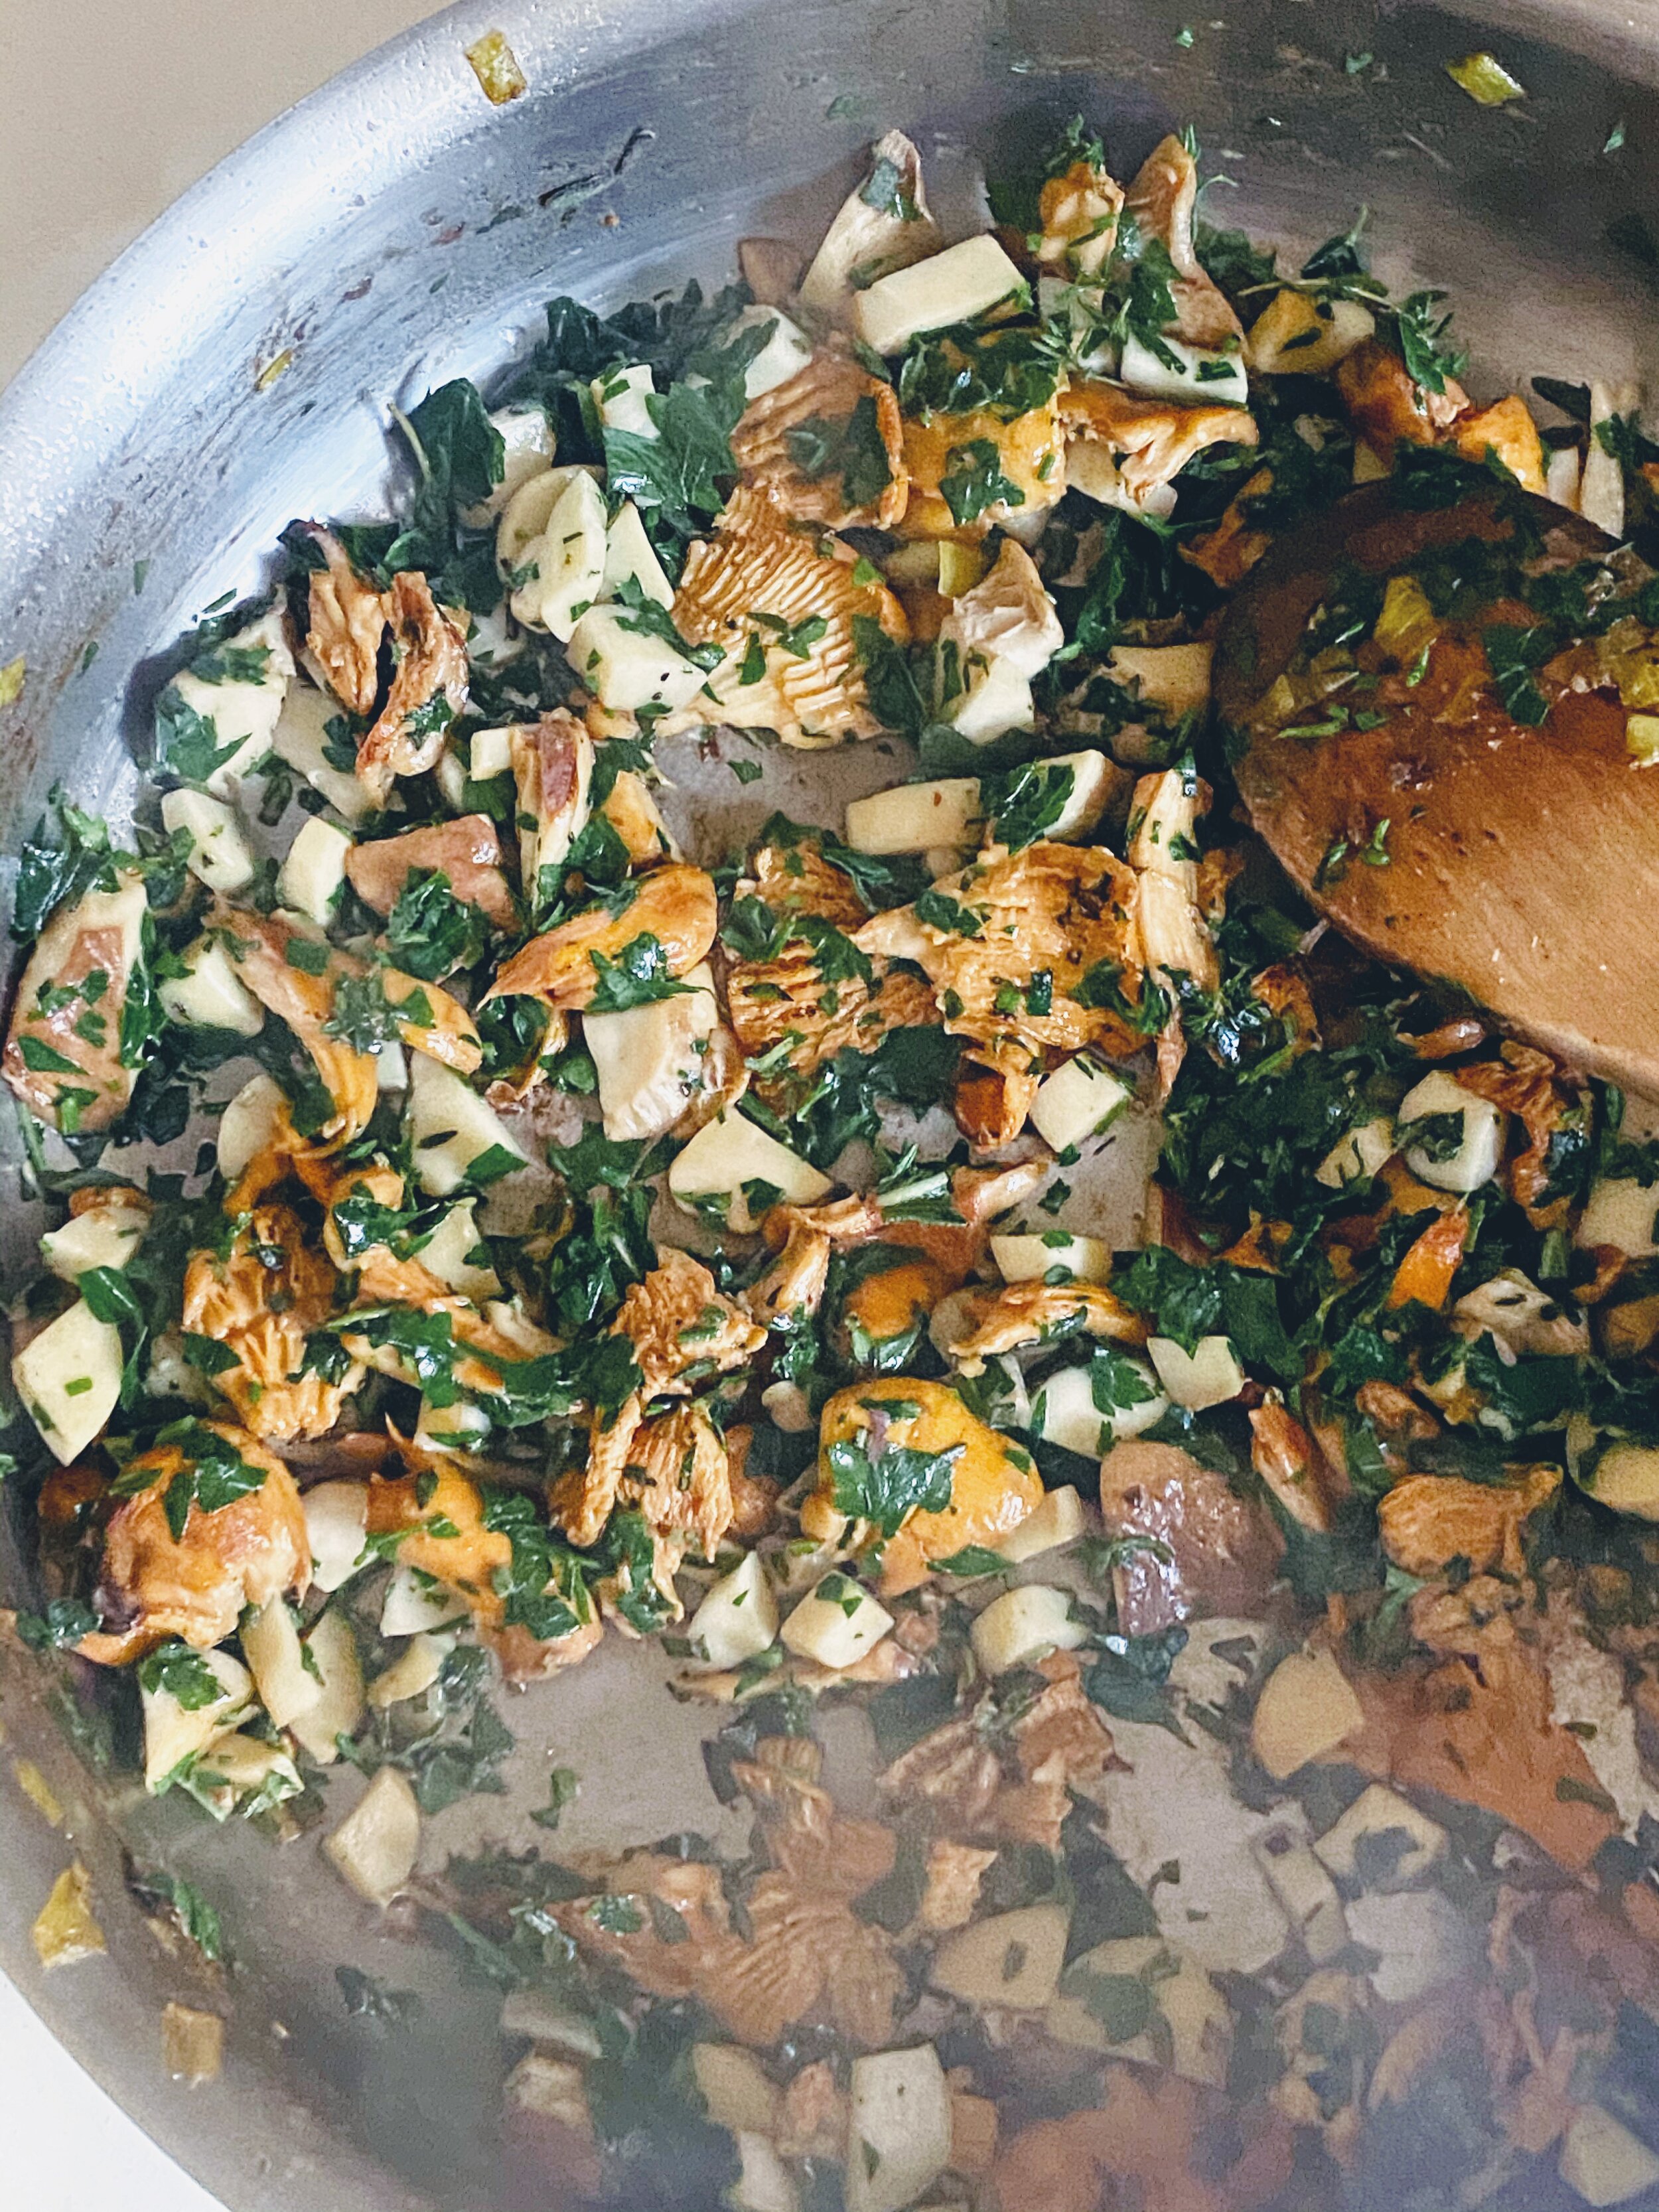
(1521, 864)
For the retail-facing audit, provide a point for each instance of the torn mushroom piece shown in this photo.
(1024, 1315)
(304, 998)
(72, 1055)
(1175, 936)
(1127, 453)
(827, 446)
(349, 621)
(816, 993)
(885, 224)
(1078, 211)
(1386, 403)
(779, 604)
(1031, 952)
(1007, 616)
(904, 1466)
(633, 955)
(342, 1008)
(429, 689)
(466, 852)
(261, 1299)
(1162, 199)
(969, 472)
(205, 1526)
(552, 775)
(673, 1321)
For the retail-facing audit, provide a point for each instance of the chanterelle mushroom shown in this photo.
(1162, 200)
(1127, 452)
(67, 1057)
(428, 690)
(883, 226)
(177, 1563)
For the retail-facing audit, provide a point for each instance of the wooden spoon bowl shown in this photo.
(1518, 863)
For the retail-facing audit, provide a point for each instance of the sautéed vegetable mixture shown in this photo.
(601, 1233)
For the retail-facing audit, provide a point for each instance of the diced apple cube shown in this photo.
(899, 2127)
(1030, 1258)
(1077, 1101)
(375, 1847)
(630, 555)
(1059, 1519)
(1022, 1625)
(953, 287)
(621, 396)
(103, 1237)
(174, 1732)
(219, 855)
(565, 563)
(302, 739)
(212, 995)
(337, 1529)
(448, 1254)
(252, 1121)
(1620, 1212)
(412, 1672)
(244, 712)
(1307, 1708)
(1192, 375)
(69, 1378)
(1359, 1155)
(714, 1172)
(310, 878)
(275, 1657)
(1297, 335)
(454, 1133)
(1174, 678)
(415, 1603)
(1381, 1813)
(1305, 1888)
(1209, 1375)
(333, 1650)
(1602, 2161)
(1095, 781)
(997, 702)
(1013, 1958)
(1064, 1411)
(738, 1618)
(626, 667)
(914, 817)
(837, 1624)
(1480, 1146)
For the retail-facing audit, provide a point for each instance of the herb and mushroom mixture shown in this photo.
(600, 1237)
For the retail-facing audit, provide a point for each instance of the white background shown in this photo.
(111, 108)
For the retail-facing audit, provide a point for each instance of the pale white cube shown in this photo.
(1078, 1101)
(838, 1624)
(953, 287)
(710, 1174)
(310, 878)
(625, 667)
(1209, 1375)
(69, 1378)
(212, 995)
(1022, 1625)
(219, 855)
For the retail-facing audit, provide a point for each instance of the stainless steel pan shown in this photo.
(232, 370)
